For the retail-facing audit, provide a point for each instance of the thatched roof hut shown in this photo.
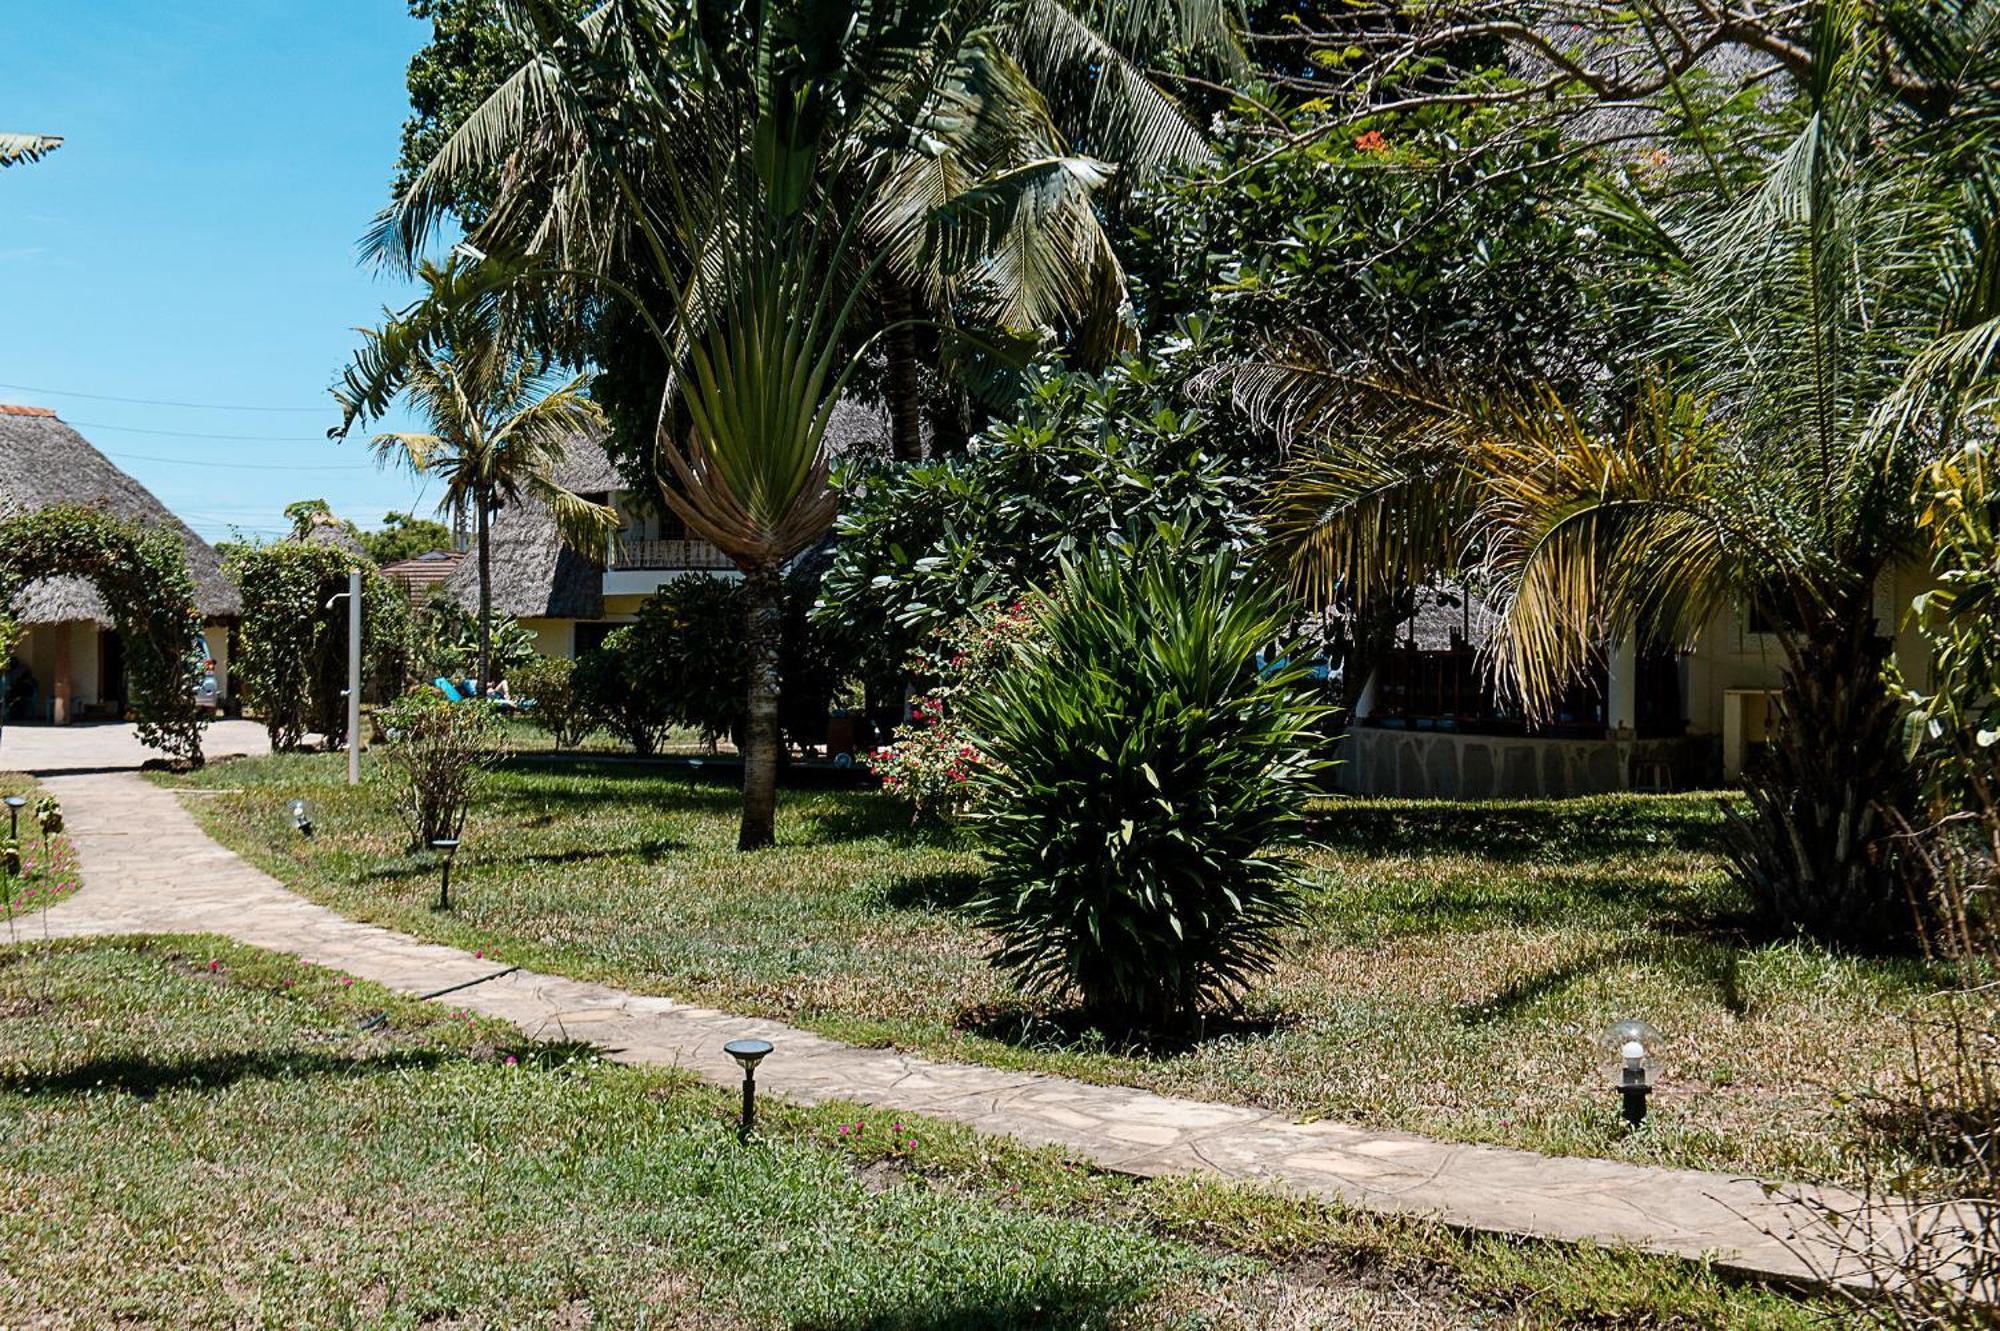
(536, 576)
(327, 531)
(43, 462)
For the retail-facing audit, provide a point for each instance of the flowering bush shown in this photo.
(932, 760)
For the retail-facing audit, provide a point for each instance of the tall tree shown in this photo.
(718, 161)
(501, 421)
(1814, 343)
(1027, 97)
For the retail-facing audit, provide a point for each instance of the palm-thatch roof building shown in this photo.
(72, 664)
(568, 602)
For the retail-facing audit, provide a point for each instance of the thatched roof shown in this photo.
(330, 532)
(44, 462)
(536, 576)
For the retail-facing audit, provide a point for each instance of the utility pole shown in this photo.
(354, 676)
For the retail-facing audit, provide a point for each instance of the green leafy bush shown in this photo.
(293, 661)
(688, 649)
(1085, 458)
(559, 711)
(609, 686)
(436, 753)
(1142, 783)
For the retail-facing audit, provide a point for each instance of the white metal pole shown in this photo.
(354, 677)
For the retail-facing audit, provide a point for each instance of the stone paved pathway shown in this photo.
(148, 868)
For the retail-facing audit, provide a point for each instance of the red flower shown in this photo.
(1372, 142)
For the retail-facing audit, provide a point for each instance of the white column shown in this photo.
(354, 677)
(1621, 686)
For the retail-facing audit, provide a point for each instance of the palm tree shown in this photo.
(959, 116)
(500, 420)
(1818, 339)
(694, 173)
(16, 148)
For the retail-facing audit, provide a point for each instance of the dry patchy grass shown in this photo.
(1458, 964)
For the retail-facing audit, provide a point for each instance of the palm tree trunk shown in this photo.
(764, 623)
(485, 601)
(1818, 848)
(899, 347)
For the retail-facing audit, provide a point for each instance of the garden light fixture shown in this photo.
(1633, 1040)
(748, 1053)
(14, 803)
(447, 847)
(301, 819)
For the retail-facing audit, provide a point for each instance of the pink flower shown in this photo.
(480, 953)
(844, 1129)
(347, 979)
(913, 1143)
(512, 1061)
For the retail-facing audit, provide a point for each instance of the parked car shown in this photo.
(207, 687)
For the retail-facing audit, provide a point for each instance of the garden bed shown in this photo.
(1457, 965)
(198, 1133)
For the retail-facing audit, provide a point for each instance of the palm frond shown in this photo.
(17, 148)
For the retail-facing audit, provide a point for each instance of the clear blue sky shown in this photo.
(193, 240)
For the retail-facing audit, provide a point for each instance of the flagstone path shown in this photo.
(148, 868)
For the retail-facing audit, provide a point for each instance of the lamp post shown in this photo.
(748, 1053)
(447, 847)
(353, 691)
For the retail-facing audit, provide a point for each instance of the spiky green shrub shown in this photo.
(1142, 785)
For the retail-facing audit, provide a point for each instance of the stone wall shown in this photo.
(1443, 764)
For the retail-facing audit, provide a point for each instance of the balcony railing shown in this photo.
(636, 556)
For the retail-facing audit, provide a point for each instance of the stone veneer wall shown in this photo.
(1443, 764)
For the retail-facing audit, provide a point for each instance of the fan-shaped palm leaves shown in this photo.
(500, 421)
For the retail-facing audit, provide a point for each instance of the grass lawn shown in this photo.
(194, 1133)
(1456, 969)
(48, 872)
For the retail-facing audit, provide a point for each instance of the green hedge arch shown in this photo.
(141, 572)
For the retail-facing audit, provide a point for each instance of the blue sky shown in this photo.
(193, 240)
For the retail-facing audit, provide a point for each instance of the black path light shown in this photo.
(12, 858)
(749, 1053)
(301, 817)
(1634, 1042)
(447, 847)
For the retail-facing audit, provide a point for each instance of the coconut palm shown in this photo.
(694, 172)
(1818, 342)
(500, 420)
(959, 117)
(27, 147)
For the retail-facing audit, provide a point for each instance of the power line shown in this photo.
(238, 466)
(156, 402)
(199, 434)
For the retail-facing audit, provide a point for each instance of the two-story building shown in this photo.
(568, 602)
